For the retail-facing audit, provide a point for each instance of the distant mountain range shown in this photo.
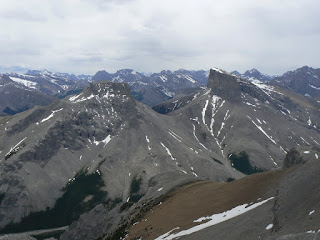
(304, 80)
(19, 92)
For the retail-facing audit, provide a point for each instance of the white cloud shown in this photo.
(85, 36)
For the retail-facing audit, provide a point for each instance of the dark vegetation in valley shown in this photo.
(2, 195)
(230, 179)
(134, 194)
(241, 163)
(68, 207)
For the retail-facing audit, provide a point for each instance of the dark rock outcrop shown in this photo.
(292, 158)
(224, 85)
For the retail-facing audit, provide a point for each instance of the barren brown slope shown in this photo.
(202, 199)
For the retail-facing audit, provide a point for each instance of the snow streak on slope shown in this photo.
(51, 115)
(148, 141)
(213, 220)
(204, 112)
(15, 148)
(175, 136)
(105, 141)
(73, 98)
(168, 151)
(83, 99)
(223, 123)
(194, 134)
(215, 107)
(260, 128)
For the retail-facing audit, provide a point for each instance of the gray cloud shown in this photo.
(21, 15)
(85, 36)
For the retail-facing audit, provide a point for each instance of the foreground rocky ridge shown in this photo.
(132, 155)
(287, 207)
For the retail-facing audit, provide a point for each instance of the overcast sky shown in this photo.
(84, 36)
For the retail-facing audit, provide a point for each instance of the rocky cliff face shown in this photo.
(224, 85)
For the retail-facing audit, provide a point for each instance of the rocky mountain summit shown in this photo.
(305, 81)
(254, 74)
(157, 87)
(97, 160)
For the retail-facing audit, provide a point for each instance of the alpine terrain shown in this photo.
(237, 159)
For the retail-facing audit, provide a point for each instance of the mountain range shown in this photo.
(20, 92)
(94, 164)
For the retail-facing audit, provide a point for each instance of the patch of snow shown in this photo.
(265, 88)
(309, 121)
(207, 92)
(168, 151)
(204, 112)
(26, 83)
(314, 87)
(175, 136)
(163, 78)
(147, 139)
(269, 226)
(51, 115)
(259, 120)
(195, 96)
(195, 119)
(83, 99)
(223, 123)
(273, 161)
(108, 95)
(107, 140)
(217, 69)
(260, 128)
(194, 134)
(310, 213)
(16, 147)
(304, 141)
(167, 92)
(213, 220)
(249, 104)
(166, 234)
(73, 98)
(282, 149)
(189, 78)
(216, 105)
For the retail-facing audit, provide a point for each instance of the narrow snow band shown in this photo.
(213, 220)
